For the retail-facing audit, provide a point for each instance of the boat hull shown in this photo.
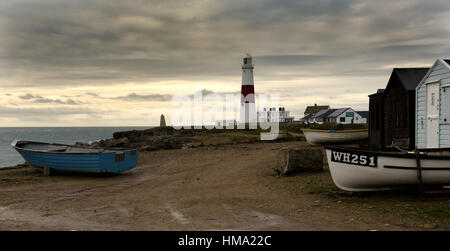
(332, 136)
(108, 162)
(389, 172)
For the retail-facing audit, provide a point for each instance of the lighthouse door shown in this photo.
(433, 115)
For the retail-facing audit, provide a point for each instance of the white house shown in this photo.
(340, 116)
(433, 107)
(274, 114)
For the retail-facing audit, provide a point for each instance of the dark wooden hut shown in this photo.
(392, 110)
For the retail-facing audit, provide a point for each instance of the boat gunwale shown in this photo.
(102, 150)
(407, 155)
(335, 131)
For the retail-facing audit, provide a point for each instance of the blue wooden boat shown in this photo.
(76, 158)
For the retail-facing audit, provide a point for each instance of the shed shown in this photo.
(392, 110)
(433, 107)
(376, 115)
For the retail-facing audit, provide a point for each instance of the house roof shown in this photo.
(338, 112)
(316, 108)
(326, 113)
(308, 116)
(333, 113)
(408, 77)
(364, 114)
(320, 113)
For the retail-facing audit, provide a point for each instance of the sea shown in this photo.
(64, 135)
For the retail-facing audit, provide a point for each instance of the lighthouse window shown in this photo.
(245, 61)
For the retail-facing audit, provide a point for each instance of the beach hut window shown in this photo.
(445, 105)
(120, 157)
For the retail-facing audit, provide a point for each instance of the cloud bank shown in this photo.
(335, 44)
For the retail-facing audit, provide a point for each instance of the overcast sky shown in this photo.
(118, 63)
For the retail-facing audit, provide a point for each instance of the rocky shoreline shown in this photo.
(164, 138)
(145, 140)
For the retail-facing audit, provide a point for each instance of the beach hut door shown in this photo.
(433, 115)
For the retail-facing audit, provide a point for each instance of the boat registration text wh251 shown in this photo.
(354, 158)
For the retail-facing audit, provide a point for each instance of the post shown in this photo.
(419, 172)
(47, 171)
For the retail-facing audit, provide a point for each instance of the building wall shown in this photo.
(399, 111)
(357, 119)
(274, 116)
(376, 121)
(439, 73)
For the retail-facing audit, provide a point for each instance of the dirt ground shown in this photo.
(225, 187)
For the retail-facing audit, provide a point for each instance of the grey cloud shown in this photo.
(56, 101)
(63, 43)
(92, 94)
(30, 96)
(205, 92)
(165, 97)
(150, 97)
(42, 100)
(97, 42)
(15, 112)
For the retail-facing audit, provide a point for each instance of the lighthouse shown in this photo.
(247, 109)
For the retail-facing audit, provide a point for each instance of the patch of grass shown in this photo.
(255, 131)
(238, 139)
(439, 213)
(322, 188)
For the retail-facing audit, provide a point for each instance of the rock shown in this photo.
(162, 121)
(145, 140)
(122, 142)
(291, 160)
(143, 135)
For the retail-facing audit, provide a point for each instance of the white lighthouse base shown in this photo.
(248, 116)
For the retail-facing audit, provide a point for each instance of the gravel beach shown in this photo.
(218, 186)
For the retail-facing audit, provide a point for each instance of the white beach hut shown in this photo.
(433, 107)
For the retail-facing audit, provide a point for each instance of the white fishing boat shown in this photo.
(363, 170)
(334, 136)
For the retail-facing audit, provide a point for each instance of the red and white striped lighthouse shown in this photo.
(248, 110)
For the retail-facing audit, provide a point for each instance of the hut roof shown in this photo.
(408, 77)
(379, 92)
